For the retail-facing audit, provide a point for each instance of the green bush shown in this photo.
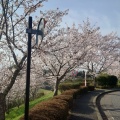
(118, 83)
(112, 81)
(68, 86)
(102, 80)
(106, 80)
(40, 94)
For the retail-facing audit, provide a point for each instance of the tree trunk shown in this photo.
(4, 94)
(56, 87)
(12, 81)
(8, 88)
(2, 106)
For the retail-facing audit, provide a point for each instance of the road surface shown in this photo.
(110, 104)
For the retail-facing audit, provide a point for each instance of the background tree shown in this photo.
(103, 55)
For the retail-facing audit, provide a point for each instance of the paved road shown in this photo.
(84, 108)
(110, 104)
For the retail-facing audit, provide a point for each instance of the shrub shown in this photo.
(112, 80)
(102, 80)
(68, 86)
(118, 83)
(54, 109)
(40, 94)
(107, 80)
(91, 88)
(73, 92)
(67, 98)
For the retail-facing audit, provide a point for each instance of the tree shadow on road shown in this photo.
(83, 107)
(79, 118)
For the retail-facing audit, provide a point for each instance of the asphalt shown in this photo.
(84, 106)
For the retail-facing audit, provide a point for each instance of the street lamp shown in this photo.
(30, 31)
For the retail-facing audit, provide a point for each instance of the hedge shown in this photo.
(72, 92)
(112, 80)
(67, 98)
(75, 92)
(54, 109)
(105, 80)
(67, 86)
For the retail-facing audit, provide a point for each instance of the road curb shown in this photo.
(96, 102)
(96, 109)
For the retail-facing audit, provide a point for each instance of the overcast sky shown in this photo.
(103, 13)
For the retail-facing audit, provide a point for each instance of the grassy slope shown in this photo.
(16, 113)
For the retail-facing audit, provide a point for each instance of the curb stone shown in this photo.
(96, 109)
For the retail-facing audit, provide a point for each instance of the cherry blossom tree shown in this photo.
(103, 55)
(13, 38)
(64, 50)
(106, 53)
(114, 69)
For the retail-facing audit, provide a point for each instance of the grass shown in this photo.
(15, 113)
(119, 82)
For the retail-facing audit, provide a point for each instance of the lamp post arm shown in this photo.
(31, 31)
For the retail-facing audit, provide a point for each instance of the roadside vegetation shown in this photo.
(107, 81)
(68, 90)
(118, 82)
(15, 113)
